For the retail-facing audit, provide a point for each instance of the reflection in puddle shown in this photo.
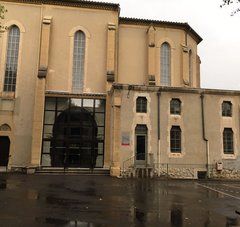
(64, 222)
(140, 216)
(176, 217)
(3, 184)
(63, 201)
(32, 194)
(231, 222)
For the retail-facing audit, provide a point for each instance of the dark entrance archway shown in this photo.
(74, 141)
(4, 150)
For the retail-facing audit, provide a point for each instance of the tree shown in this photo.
(2, 15)
(226, 3)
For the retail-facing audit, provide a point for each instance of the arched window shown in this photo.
(175, 139)
(78, 61)
(175, 106)
(165, 65)
(12, 59)
(226, 109)
(190, 68)
(228, 147)
(141, 106)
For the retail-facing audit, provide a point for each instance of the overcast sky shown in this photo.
(220, 48)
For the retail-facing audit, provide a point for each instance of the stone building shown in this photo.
(83, 88)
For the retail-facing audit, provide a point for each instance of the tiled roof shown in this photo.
(74, 3)
(138, 21)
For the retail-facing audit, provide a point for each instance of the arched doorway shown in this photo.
(4, 151)
(74, 139)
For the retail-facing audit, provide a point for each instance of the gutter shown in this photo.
(204, 135)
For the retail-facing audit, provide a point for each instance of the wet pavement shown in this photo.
(96, 201)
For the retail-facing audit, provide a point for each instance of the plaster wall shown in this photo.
(27, 18)
(133, 54)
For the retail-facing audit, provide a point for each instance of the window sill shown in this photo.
(7, 95)
(175, 155)
(229, 156)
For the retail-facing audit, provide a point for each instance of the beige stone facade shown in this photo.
(44, 122)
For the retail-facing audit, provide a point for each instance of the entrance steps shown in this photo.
(73, 171)
(138, 172)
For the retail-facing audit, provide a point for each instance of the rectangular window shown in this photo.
(175, 137)
(228, 147)
(141, 105)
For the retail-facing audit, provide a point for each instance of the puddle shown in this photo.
(176, 217)
(65, 222)
(63, 201)
(32, 194)
(140, 216)
(231, 222)
(3, 184)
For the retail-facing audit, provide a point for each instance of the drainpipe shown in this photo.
(158, 127)
(204, 135)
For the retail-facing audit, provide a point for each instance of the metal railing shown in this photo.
(140, 159)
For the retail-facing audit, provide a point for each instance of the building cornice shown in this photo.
(157, 23)
(65, 94)
(175, 89)
(72, 3)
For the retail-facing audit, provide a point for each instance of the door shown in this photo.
(141, 145)
(4, 150)
(141, 148)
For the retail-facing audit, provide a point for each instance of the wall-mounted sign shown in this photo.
(125, 139)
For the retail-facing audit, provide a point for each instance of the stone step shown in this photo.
(76, 171)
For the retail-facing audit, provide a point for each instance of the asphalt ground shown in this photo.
(96, 201)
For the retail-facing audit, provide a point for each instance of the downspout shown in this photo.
(158, 127)
(204, 135)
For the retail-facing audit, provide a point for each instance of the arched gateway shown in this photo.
(74, 142)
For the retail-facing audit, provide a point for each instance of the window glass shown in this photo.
(100, 105)
(50, 104)
(175, 136)
(78, 61)
(12, 59)
(99, 117)
(227, 109)
(190, 67)
(141, 106)
(228, 141)
(175, 106)
(62, 104)
(49, 117)
(165, 65)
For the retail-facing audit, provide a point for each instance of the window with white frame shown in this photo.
(12, 59)
(165, 65)
(78, 62)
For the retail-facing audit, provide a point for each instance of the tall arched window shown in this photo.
(190, 68)
(165, 64)
(12, 59)
(78, 61)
